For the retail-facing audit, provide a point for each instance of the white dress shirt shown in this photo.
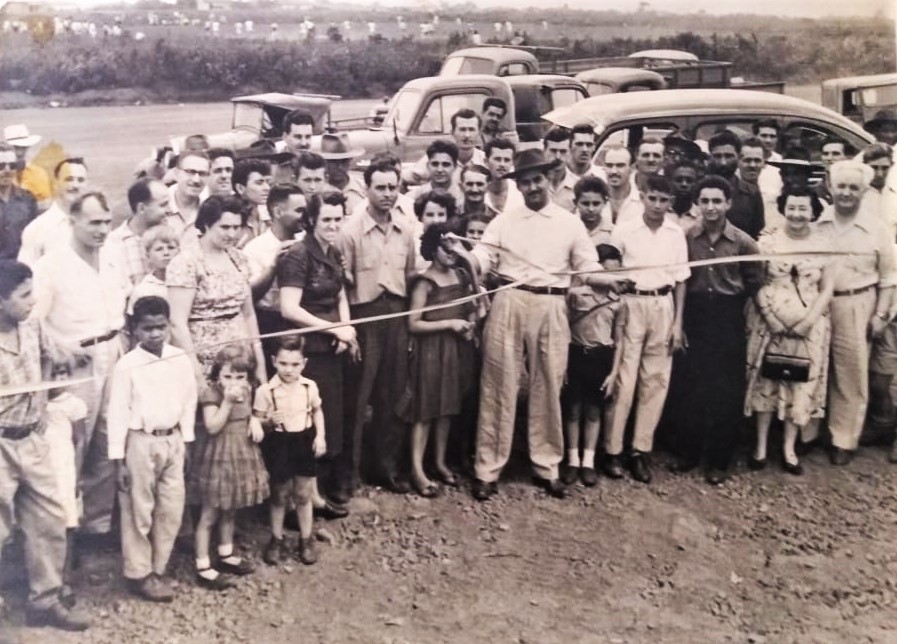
(149, 393)
(48, 230)
(641, 246)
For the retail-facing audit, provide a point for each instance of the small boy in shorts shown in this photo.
(161, 244)
(596, 330)
(289, 407)
(152, 411)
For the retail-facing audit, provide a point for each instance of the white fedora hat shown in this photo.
(17, 135)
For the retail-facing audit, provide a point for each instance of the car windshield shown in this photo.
(247, 116)
(402, 109)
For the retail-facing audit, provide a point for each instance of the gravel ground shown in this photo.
(764, 558)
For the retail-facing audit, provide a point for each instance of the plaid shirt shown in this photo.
(22, 366)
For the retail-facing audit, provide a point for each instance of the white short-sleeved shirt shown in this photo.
(641, 246)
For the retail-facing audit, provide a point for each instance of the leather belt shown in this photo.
(159, 432)
(854, 291)
(657, 292)
(17, 433)
(99, 339)
(541, 290)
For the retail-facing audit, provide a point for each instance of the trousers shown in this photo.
(848, 385)
(644, 372)
(29, 496)
(527, 334)
(153, 506)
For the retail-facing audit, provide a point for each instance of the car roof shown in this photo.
(286, 101)
(552, 80)
(498, 54)
(460, 82)
(618, 74)
(600, 111)
(860, 81)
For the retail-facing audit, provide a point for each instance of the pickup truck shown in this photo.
(680, 70)
(860, 97)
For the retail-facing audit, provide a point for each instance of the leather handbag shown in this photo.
(787, 368)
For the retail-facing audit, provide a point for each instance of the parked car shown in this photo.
(536, 95)
(613, 80)
(860, 97)
(625, 119)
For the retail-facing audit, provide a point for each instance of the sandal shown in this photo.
(428, 491)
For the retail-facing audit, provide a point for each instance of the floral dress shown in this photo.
(216, 316)
(789, 290)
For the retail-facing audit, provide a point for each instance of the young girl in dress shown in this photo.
(442, 357)
(231, 474)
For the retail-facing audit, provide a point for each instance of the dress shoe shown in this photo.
(330, 511)
(639, 467)
(58, 616)
(306, 551)
(242, 568)
(756, 464)
(483, 490)
(219, 583)
(795, 469)
(840, 456)
(151, 588)
(341, 496)
(569, 475)
(589, 476)
(553, 486)
(716, 477)
(613, 467)
(396, 485)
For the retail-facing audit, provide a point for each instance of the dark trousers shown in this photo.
(715, 368)
(378, 381)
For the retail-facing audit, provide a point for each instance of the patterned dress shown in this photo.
(216, 316)
(230, 473)
(789, 290)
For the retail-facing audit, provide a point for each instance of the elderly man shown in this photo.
(746, 211)
(560, 180)
(379, 251)
(624, 203)
(30, 177)
(52, 226)
(501, 193)
(18, 207)
(148, 200)
(860, 309)
(191, 175)
(528, 322)
(80, 298)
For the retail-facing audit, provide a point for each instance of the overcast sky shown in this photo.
(809, 8)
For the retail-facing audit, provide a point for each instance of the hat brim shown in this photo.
(25, 141)
(538, 167)
(796, 163)
(342, 156)
(874, 123)
(688, 147)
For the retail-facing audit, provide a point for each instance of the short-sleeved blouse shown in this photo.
(219, 293)
(318, 272)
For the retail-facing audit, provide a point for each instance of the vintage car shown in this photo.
(536, 95)
(613, 80)
(625, 119)
(860, 97)
(497, 61)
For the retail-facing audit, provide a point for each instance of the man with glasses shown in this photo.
(52, 227)
(191, 176)
(18, 207)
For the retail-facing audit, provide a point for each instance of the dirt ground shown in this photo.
(764, 558)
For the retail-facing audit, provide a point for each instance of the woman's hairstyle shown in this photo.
(160, 233)
(214, 207)
(443, 199)
(313, 208)
(432, 239)
(800, 191)
(238, 357)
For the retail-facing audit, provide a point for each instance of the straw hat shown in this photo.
(334, 147)
(18, 136)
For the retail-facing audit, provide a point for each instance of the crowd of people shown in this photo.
(270, 327)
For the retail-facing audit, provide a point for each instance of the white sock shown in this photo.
(573, 457)
(203, 563)
(225, 550)
(588, 458)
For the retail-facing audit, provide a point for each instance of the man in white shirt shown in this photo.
(52, 226)
(191, 176)
(624, 204)
(654, 329)
(582, 149)
(501, 193)
(770, 179)
(528, 321)
(560, 180)
(80, 298)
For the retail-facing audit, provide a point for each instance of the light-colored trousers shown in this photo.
(153, 506)
(644, 371)
(526, 334)
(96, 473)
(848, 382)
(29, 495)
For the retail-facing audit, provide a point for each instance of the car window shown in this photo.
(630, 136)
(528, 105)
(247, 116)
(438, 115)
(599, 89)
(635, 87)
(564, 97)
(883, 96)
(706, 129)
(513, 69)
(807, 135)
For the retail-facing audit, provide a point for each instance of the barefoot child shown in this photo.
(442, 361)
(152, 408)
(596, 330)
(290, 408)
(230, 473)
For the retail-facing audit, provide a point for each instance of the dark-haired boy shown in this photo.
(28, 486)
(152, 407)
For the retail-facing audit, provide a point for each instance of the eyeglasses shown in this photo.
(196, 173)
(10, 165)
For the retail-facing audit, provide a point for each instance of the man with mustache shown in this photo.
(624, 202)
(52, 227)
(501, 193)
(474, 181)
(560, 180)
(18, 207)
(494, 110)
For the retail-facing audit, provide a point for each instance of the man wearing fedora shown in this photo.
(528, 322)
(883, 126)
(338, 158)
(29, 177)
